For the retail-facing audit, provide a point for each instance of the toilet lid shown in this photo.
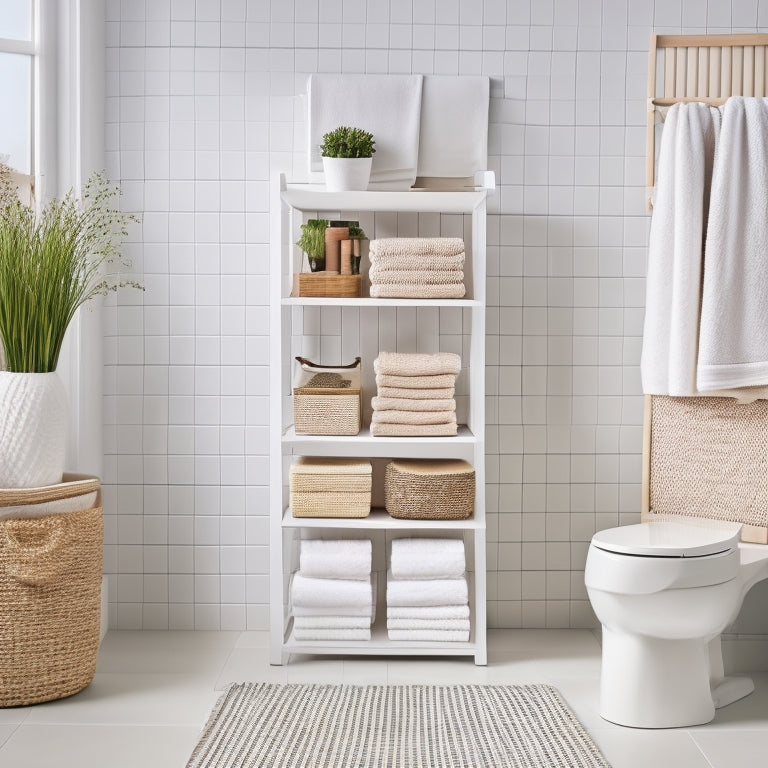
(664, 538)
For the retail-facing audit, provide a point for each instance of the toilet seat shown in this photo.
(670, 538)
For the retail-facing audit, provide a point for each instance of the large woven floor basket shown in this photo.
(50, 598)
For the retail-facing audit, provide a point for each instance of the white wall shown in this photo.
(202, 105)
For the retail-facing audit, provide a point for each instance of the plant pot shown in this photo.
(347, 173)
(316, 264)
(34, 416)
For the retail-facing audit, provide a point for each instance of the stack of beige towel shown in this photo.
(417, 267)
(415, 394)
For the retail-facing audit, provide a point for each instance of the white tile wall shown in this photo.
(202, 106)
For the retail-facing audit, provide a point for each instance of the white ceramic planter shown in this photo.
(347, 173)
(34, 416)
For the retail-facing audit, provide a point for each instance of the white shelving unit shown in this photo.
(291, 205)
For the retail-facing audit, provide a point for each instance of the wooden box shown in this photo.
(321, 285)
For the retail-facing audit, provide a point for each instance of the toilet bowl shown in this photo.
(663, 592)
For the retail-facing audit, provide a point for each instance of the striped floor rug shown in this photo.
(408, 726)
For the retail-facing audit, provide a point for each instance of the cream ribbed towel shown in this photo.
(335, 559)
(410, 404)
(424, 612)
(332, 634)
(426, 591)
(417, 364)
(456, 624)
(331, 622)
(385, 262)
(410, 277)
(439, 381)
(417, 558)
(397, 393)
(439, 635)
(414, 430)
(402, 291)
(413, 418)
(417, 246)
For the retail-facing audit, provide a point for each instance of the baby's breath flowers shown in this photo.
(51, 263)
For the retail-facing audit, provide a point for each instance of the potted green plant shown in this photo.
(312, 242)
(347, 158)
(52, 261)
(356, 234)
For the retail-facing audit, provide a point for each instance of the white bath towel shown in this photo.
(733, 343)
(340, 594)
(428, 611)
(439, 635)
(675, 254)
(368, 610)
(413, 417)
(426, 591)
(336, 559)
(414, 430)
(417, 364)
(411, 404)
(413, 558)
(416, 246)
(331, 622)
(455, 624)
(331, 634)
(440, 381)
(412, 291)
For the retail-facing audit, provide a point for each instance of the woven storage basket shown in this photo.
(315, 474)
(330, 504)
(327, 400)
(50, 598)
(416, 489)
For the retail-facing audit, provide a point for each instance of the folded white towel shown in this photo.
(446, 393)
(331, 634)
(675, 260)
(368, 610)
(439, 635)
(331, 622)
(733, 342)
(330, 593)
(458, 624)
(416, 246)
(336, 559)
(414, 430)
(411, 291)
(428, 611)
(427, 558)
(426, 591)
(440, 381)
(413, 417)
(417, 364)
(409, 404)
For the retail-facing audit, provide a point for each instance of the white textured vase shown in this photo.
(34, 416)
(347, 173)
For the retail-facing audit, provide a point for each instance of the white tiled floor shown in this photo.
(153, 691)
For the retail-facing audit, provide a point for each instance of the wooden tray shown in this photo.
(320, 285)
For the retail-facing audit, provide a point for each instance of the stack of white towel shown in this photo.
(415, 394)
(417, 267)
(427, 594)
(333, 594)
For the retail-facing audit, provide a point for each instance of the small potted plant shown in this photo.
(347, 158)
(356, 234)
(312, 242)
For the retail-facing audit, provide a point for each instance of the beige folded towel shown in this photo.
(439, 381)
(386, 262)
(413, 417)
(418, 394)
(414, 430)
(417, 246)
(403, 291)
(417, 364)
(411, 277)
(410, 404)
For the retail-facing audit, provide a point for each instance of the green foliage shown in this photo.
(356, 233)
(312, 240)
(348, 142)
(50, 264)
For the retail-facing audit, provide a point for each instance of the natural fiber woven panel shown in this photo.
(709, 458)
(418, 489)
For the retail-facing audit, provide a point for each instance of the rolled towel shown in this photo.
(417, 246)
(409, 404)
(440, 381)
(335, 559)
(440, 635)
(331, 622)
(409, 291)
(417, 364)
(387, 262)
(458, 624)
(414, 430)
(425, 612)
(332, 634)
(427, 558)
(426, 591)
(340, 594)
(413, 277)
(413, 417)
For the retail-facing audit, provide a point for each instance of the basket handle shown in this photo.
(32, 557)
(310, 364)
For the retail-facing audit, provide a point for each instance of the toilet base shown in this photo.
(650, 682)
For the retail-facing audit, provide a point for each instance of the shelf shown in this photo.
(314, 197)
(303, 301)
(379, 519)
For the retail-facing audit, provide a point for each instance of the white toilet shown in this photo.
(664, 591)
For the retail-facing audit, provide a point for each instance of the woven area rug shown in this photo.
(408, 726)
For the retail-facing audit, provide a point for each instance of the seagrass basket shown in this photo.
(423, 489)
(50, 595)
(330, 487)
